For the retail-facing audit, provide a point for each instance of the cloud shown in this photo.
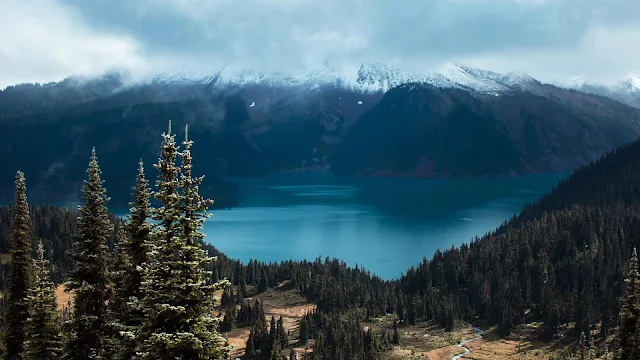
(41, 40)
(550, 39)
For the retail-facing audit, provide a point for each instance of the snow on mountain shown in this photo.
(378, 77)
(630, 85)
(626, 90)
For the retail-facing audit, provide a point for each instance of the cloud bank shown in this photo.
(553, 40)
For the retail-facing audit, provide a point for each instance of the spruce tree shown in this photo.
(177, 300)
(250, 349)
(90, 278)
(138, 230)
(304, 331)
(43, 329)
(630, 310)
(20, 273)
(122, 329)
(275, 351)
(396, 334)
(134, 244)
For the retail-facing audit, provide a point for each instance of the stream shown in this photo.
(478, 332)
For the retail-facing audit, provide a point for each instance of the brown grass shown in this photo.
(280, 302)
(62, 297)
(428, 341)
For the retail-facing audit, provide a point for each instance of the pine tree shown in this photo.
(20, 273)
(177, 301)
(630, 310)
(275, 351)
(133, 246)
(138, 230)
(396, 334)
(121, 329)
(250, 349)
(43, 330)
(90, 278)
(273, 332)
(264, 281)
(282, 334)
(304, 331)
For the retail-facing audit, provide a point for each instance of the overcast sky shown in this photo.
(553, 40)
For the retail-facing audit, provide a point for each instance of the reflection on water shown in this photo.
(385, 225)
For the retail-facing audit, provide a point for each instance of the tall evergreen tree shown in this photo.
(250, 349)
(90, 278)
(177, 299)
(630, 311)
(134, 243)
(20, 273)
(43, 328)
(396, 334)
(122, 328)
(138, 230)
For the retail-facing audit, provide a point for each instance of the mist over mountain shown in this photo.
(372, 119)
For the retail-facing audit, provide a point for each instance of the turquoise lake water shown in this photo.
(386, 225)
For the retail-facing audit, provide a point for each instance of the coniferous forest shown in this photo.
(143, 287)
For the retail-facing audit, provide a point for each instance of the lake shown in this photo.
(384, 224)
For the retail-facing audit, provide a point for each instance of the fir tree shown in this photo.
(396, 334)
(20, 273)
(273, 332)
(121, 329)
(630, 311)
(275, 351)
(304, 331)
(90, 279)
(282, 334)
(138, 230)
(177, 301)
(43, 330)
(250, 349)
(131, 256)
(264, 281)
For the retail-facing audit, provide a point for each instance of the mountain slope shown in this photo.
(561, 262)
(626, 90)
(455, 121)
(420, 130)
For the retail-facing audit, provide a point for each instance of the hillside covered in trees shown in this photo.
(562, 261)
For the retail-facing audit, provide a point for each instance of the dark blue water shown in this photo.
(385, 225)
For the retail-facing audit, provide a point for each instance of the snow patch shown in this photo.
(379, 77)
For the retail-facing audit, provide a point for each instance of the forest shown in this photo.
(143, 286)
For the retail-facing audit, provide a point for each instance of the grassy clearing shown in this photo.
(289, 304)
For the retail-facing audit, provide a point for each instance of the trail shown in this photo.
(466, 349)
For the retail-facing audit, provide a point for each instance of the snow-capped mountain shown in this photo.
(366, 78)
(626, 90)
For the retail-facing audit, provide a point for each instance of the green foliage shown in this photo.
(90, 278)
(250, 349)
(630, 312)
(396, 334)
(43, 341)
(177, 300)
(20, 274)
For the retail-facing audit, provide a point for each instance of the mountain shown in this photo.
(371, 119)
(626, 91)
(560, 263)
